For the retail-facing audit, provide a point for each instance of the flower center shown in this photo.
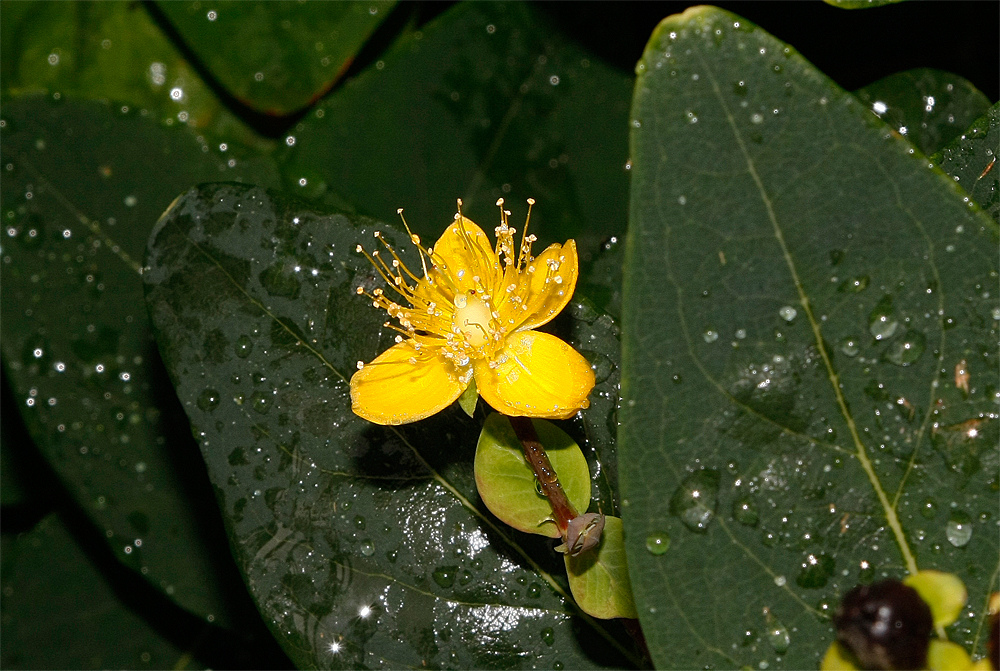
(472, 319)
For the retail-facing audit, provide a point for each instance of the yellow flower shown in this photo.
(471, 316)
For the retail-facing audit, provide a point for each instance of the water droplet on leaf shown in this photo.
(694, 501)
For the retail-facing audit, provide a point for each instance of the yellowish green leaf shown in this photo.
(506, 482)
(599, 578)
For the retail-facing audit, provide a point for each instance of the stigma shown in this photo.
(473, 319)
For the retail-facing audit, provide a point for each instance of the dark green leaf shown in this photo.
(486, 101)
(59, 613)
(362, 545)
(82, 186)
(276, 57)
(971, 161)
(930, 107)
(860, 4)
(111, 51)
(799, 292)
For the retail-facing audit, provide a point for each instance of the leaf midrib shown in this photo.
(861, 452)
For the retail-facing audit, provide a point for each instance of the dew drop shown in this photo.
(959, 529)
(777, 634)
(854, 285)
(694, 501)
(658, 543)
(928, 509)
(359, 522)
(367, 548)
(745, 512)
(907, 349)
(261, 402)
(882, 322)
(244, 346)
(208, 400)
(817, 569)
(849, 346)
(445, 575)
(548, 635)
(710, 336)
(788, 313)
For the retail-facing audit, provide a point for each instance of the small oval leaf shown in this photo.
(599, 579)
(506, 482)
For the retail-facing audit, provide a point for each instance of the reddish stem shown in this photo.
(562, 509)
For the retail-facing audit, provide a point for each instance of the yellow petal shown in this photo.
(944, 593)
(546, 299)
(394, 390)
(948, 656)
(462, 252)
(537, 375)
(837, 659)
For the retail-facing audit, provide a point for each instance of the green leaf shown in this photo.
(486, 101)
(799, 291)
(930, 107)
(52, 593)
(112, 51)
(361, 544)
(507, 484)
(860, 4)
(78, 204)
(971, 161)
(288, 55)
(599, 578)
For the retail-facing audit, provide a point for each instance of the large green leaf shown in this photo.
(52, 593)
(78, 204)
(930, 107)
(362, 545)
(488, 100)
(971, 161)
(289, 53)
(800, 289)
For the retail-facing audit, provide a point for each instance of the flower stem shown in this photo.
(562, 509)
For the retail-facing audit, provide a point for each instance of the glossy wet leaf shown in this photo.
(289, 53)
(52, 592)
(800, 296)
(860, 4)
(487, 100)
(971, 160)
(78, 205)
(111, 51)
(361, 544)
(507, 484)
(599, 578)
(930, 107)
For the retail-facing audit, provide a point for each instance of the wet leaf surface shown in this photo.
(486, 101)
(109, 51)
(809, 361)
(78, 205)
(930, 107)
(51, 592)
(971, 161)
(362, 545)
(290, 53)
